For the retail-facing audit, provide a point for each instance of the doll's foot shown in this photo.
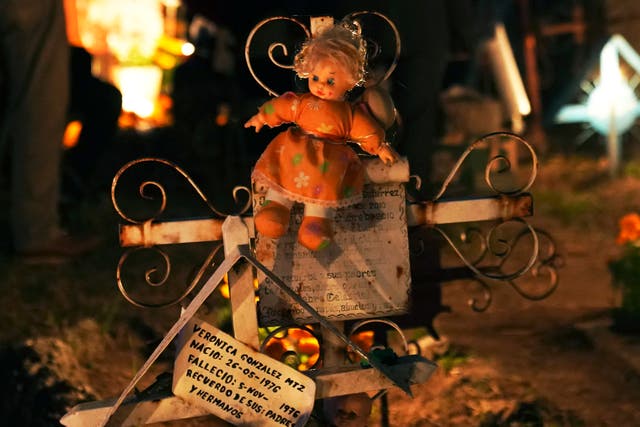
(315, 232)
(272, 220)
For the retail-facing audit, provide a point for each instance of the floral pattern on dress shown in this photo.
(301, 180)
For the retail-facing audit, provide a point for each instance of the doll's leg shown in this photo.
(272, 220)
(316, 230)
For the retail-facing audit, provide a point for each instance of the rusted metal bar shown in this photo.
(163, 233)
(477, 209)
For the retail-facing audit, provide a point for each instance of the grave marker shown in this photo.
(364, 273)
(227, 378)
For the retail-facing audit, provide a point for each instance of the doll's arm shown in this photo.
(275, 112)
(256, 121)
(366, 131)
(387, 154)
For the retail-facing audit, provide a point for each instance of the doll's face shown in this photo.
(329, 80)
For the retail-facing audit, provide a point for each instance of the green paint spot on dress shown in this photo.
(269, 108)
(324, 166)
(297, 159)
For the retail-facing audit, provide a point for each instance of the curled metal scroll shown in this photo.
(144, 187)
(278, 45)
(498, 161)
(500, 248)
(487, 296)
(547, 264)
(162, 280)
(352, 16)
(545, 267)
(272, 47)
(472, 235)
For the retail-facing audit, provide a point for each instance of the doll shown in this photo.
(310, 162)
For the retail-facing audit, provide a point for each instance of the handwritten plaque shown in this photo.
(237, 384)
(364, 273)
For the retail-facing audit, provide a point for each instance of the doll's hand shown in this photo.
(255, 121)
(387, 154)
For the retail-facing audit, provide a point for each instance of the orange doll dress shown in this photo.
(312, 162)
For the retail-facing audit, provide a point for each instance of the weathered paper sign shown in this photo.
(234, 382)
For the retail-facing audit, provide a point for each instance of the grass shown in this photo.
(632, 169)
(452, 358)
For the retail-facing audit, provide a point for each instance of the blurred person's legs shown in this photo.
(35, 60)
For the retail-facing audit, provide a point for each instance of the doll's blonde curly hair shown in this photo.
(341, 43)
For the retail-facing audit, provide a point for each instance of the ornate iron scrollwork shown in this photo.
(498, 164)
(166, 267)
(490, 255)
(144, 192)
(271, 49)
(498, 247)
(307, 34)
(542, 276)
(547, 264)
(159, 275)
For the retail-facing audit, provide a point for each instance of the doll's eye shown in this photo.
(331, 81)
(315, 78)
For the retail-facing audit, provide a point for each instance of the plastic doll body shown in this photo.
(311, 162)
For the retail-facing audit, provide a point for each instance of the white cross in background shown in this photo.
(611, 107)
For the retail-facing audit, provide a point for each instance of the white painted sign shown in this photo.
(237, 384)
(364, 273)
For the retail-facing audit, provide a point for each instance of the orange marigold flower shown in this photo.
(629, 229)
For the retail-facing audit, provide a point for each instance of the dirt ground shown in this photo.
(519, 363)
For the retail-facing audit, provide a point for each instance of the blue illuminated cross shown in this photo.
(612, 106)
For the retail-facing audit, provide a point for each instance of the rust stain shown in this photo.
(399, 271)
(428, 211)
(264, 252)
(524, 206)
